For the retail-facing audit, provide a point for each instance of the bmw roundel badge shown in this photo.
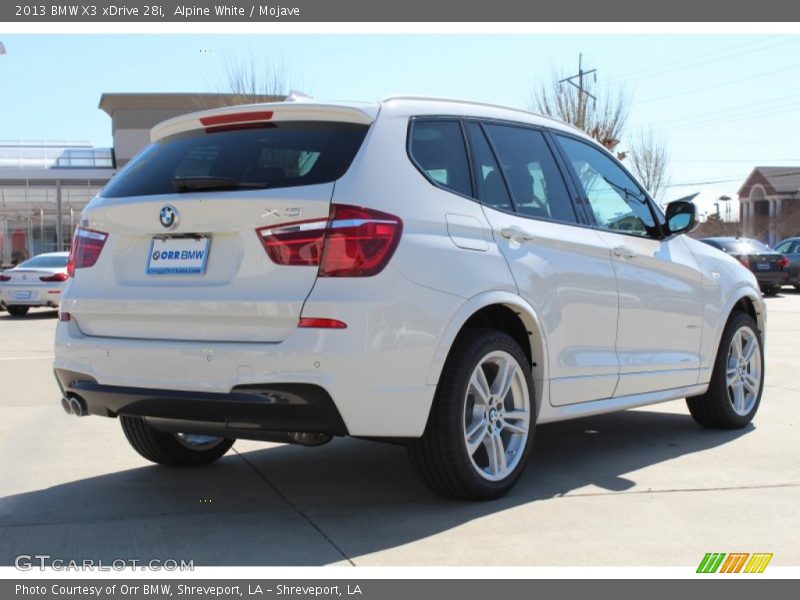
(168, 217)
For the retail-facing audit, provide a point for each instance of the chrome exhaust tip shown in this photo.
(74, 405)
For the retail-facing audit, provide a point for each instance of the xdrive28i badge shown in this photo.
(168, 217)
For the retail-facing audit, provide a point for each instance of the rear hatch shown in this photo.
(182, 257)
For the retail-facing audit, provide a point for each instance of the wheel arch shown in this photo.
(744, 300)
(506, 312)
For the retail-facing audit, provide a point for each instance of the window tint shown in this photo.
(532, 174)
(278, 155)
(44, 262)
(491, 189)
(615, 199)
(438, 149)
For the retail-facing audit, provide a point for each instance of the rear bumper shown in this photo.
(771, 277)
(375, 371)
(247, 411)
(35, 297)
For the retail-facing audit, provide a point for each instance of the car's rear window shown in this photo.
(284, 154)
(742, 246)
(44, 262)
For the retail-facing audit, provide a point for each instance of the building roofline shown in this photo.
(110, 102)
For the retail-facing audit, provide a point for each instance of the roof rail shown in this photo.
(476, 103)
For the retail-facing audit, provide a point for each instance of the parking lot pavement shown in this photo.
(643, 487)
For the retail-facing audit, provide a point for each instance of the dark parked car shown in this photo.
(790, 247)
(770, 267)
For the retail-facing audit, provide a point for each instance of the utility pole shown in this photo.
(582, 92)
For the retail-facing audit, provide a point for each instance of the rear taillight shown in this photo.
(86, 247)
(783, 262)
(295, 244)
(744, 260)
(353, 242)
(53, 278)
(5, 277)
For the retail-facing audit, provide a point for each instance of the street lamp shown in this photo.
(726, 200)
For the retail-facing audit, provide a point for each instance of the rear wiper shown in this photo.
(205, 182)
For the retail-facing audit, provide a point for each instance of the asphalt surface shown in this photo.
(642, 487)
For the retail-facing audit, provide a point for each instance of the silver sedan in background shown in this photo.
(38, 281)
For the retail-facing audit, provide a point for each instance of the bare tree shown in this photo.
(603, 118)
(249, 80)
(649, 161)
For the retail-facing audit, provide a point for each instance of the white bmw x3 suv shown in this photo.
(442, 274)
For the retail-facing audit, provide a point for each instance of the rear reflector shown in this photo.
(242, 117)
(322, 323)
(352, 242)
(86, 247)
(5, 277)
(54, 277)
(64, 316)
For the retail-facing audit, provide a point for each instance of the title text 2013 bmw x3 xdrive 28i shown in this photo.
(440, 273)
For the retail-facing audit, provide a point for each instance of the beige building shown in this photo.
(770, 204)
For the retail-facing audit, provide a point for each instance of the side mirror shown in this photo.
(681, 216)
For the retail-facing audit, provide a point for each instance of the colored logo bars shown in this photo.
(735, 562)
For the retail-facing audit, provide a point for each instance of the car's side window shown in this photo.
(536, 185)
(783, 248)
(615, 199)
(437, 147)
(489, 184)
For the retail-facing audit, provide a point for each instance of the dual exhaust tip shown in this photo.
(74, 405)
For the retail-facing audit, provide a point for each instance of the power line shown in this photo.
(698, 61)
(715, 181)
(717, 85)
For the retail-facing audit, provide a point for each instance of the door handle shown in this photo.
(624, 252)
(515, 233)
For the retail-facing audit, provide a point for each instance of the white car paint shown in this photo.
(614, 321)
(25, 287)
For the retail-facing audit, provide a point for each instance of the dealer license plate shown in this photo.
(178, 256)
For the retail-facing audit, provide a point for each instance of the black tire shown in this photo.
(797, 287)
(18, 311)
(165, 449)
(769, 290)
(714, 409)
(440, 457)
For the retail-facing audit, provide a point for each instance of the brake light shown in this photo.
(783, 262)
(352, 242)
(55, 277)
(5, 277)
(64, 316)
(359, 242)
(744, 260)
(86, 247)
(295, 244)
(241, 117)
